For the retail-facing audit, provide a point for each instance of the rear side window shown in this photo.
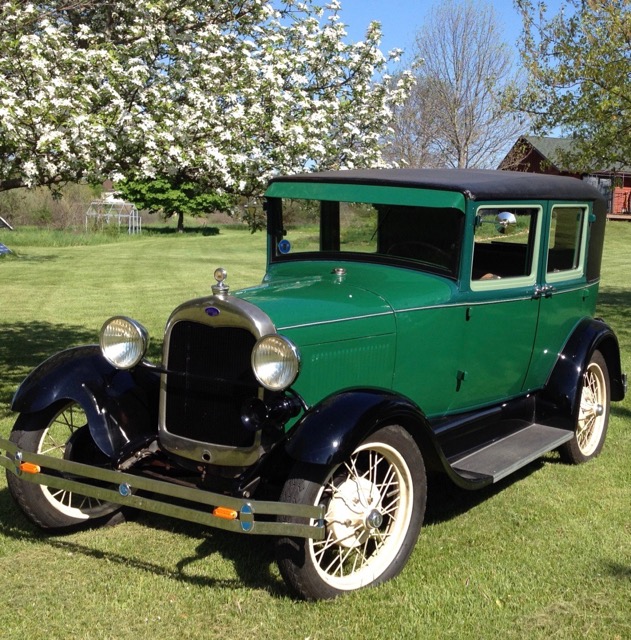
(566, 246)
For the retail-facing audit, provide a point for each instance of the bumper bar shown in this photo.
(31, 467)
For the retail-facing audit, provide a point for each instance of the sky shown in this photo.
(400, 19)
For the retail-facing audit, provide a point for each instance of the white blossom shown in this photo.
(175, 86)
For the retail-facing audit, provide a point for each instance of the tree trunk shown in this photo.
(180, 222)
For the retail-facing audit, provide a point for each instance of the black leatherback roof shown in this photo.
(476, 184)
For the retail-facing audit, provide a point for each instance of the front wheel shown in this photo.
(60, 432)
(593, 414)
(374, 506)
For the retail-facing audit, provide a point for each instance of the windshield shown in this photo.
(414, 236)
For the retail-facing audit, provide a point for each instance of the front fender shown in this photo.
(332, 430)
(562, 390)
(121, 406)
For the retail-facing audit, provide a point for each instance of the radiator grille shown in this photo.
(212, 379)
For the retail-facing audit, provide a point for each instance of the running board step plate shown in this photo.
(502, 457)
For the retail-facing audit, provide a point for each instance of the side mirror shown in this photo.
(504, 220)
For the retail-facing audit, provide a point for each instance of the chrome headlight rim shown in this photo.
(123, 342)
(275, 362)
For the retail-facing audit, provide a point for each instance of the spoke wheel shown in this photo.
(374, 505)
(593, 413)
(60, 433)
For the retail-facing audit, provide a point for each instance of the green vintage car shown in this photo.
(410, 322)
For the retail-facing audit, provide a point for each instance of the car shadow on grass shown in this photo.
(620, 411)
(251, 557)
(446, 501)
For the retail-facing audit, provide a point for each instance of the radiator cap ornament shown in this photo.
(221, 288)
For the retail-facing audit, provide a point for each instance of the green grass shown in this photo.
(545, 554)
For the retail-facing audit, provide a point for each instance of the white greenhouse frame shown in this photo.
(110, 210)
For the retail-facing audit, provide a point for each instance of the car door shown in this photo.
(499, 318)
(565, 296)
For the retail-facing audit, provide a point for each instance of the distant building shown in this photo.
(539, 154)
(112, 208)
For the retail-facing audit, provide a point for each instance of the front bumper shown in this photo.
(239, 515)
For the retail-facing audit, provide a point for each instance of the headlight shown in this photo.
(276, 362)
(123, 342)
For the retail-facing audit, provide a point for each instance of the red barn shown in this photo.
(539, 154)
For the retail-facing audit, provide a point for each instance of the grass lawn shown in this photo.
(545, 554)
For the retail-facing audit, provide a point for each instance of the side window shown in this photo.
(506, 247)
(567, 241)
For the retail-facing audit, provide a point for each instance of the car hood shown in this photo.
(329, 307)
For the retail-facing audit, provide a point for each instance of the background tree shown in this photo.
(579, 70)
(415, 128)
(454, 115)
(174, 195)
(226, 93)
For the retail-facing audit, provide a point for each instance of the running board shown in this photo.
(502, 457)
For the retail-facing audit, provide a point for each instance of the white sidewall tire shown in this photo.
(48, 432)
(374, 503)
(593, 413)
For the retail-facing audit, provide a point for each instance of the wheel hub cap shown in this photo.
(353, 512)
(374, 519)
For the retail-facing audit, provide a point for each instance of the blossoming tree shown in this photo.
(228, 92)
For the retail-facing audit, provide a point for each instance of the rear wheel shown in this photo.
(593, 414)
(374, 506)
(60, 432)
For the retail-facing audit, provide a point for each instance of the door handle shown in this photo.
(544, 291)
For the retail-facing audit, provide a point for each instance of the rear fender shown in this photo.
(121, 406)
(332, 430)
(561, 397)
